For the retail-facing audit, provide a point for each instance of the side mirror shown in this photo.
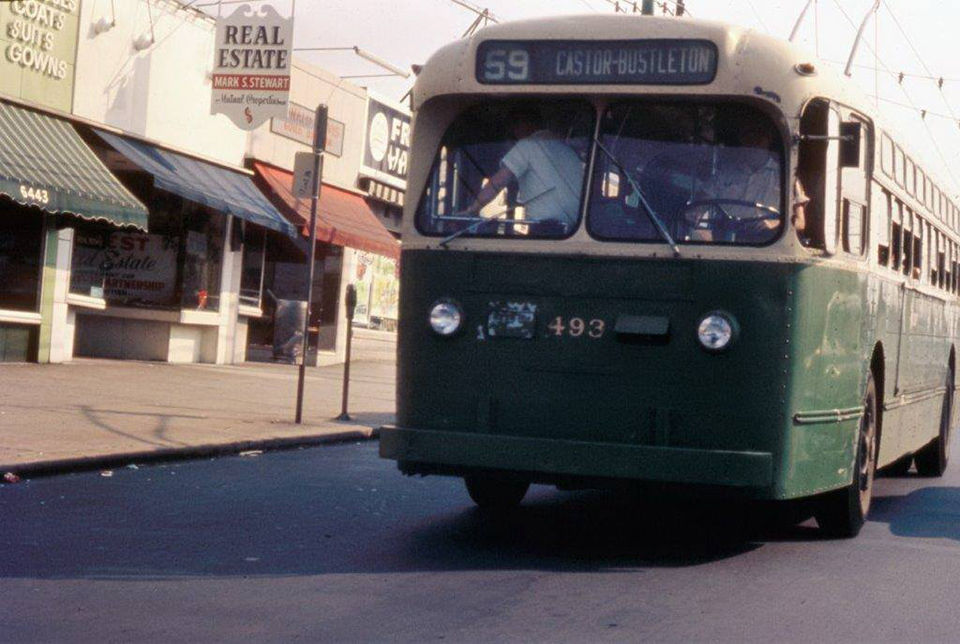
(850, 145)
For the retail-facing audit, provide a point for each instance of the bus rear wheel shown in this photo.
(932, 460)
(842, 513)
(494, 494)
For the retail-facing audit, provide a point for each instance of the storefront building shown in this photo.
(353, 229)
(50, 179)
(174, 236)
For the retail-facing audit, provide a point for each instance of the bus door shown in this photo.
(846, 214)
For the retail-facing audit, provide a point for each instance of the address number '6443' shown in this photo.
(35, 194)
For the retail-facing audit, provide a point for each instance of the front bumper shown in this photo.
(424, 451)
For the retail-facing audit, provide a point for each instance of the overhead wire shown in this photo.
(758, 16)
(926, 124)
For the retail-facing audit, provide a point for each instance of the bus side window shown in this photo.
(895, 264)
(882, 210)
(853, 225)
(896, 237)
(831, 185)
(907, 242)
(918, 248)
(942, 278)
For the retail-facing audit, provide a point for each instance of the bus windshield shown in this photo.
(510, 168)
(711, 173)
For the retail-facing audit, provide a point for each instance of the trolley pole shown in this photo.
(351, 302)
(319, 140)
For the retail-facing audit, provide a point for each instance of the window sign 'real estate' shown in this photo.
(251, 67)
(38, 45)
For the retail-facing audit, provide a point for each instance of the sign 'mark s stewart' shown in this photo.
(251, 66)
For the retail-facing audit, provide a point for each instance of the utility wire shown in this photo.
(913, 105)
(758, 17)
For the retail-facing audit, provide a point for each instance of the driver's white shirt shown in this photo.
(549, 174)
(757, 186)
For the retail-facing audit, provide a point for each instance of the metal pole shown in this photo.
(351, 304)
(803, 14)
(319, 138)
(856, 43)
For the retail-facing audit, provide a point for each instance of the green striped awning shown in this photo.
(45, 163)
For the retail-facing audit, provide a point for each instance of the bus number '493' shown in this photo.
(576, 327)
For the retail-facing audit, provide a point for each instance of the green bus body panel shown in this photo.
(790, 386)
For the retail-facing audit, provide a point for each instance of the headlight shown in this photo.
(716, 331)
(446, 317)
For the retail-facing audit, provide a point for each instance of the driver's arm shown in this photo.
(491, 189)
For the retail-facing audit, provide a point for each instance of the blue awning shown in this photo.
(230, 192)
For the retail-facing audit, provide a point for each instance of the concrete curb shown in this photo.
(41, 469)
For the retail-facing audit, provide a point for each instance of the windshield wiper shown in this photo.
(477, 222)
(651, 213)
(480, 220)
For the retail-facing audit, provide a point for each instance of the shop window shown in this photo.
(251, 277)
(126, 268)
(203, 242)
(328, 298)
(21, 249)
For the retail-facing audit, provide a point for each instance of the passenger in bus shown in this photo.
(548, 172)
(799, 218)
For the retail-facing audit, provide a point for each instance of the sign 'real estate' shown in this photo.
(251, 67)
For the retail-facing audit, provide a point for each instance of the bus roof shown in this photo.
(750, 63)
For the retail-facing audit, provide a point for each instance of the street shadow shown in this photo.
(599, 531)
(927, 513)
(158, 433)
(340, 510)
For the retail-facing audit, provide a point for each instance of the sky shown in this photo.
(405, 32)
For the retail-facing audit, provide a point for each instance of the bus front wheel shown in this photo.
(842, 513)
(495, 494)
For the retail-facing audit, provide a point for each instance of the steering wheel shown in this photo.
(734, 225)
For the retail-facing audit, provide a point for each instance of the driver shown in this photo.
(750, 174)
(548, 172)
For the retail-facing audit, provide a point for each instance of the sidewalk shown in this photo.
(102, 413)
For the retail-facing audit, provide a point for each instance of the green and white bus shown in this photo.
(650, 250)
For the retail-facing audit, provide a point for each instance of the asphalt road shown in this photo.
(332, 544)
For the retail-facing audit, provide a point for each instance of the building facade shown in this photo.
(201, 254)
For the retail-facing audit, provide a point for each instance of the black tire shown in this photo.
(842, 513)
(496, 495)
(899, 467)
(932, 460)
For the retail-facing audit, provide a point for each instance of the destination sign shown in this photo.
(597, 62)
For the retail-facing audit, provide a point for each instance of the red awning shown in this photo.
(343, 218)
